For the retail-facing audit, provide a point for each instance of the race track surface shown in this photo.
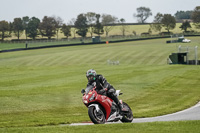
(192, 113)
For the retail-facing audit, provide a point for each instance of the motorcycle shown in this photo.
(103, 109)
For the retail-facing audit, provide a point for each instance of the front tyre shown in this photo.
(96, 117)
(127, 116)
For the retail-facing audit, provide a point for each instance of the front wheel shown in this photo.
(127, 116)
(96, 117)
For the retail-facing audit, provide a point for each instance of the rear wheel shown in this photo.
(96, 117)
(127, 116)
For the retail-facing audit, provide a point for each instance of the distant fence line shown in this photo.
(88, 39)
(41, 41)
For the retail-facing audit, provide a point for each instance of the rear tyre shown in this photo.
(127, 116)
(96, 117)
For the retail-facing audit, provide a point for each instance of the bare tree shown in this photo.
(143, 13)
(59, 23)
(107, 22)
(123, 27)
(91, 19)
(72, 23)
(157, 25)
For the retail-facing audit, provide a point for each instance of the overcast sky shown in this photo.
(68, 9)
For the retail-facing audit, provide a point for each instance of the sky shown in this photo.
(68, 9)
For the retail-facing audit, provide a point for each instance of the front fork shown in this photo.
(96, 106)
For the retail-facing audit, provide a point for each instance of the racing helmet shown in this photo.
(90, 74)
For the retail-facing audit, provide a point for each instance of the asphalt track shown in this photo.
(192, 113)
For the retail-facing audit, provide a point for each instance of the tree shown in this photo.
(25, 21)
(48, 27)
(10, 27)
(123, 26)
(196, 17)
(4, 29)
(157, 25)
(59, 23)
(168, 22)
(81, 25)
(98, 28)
(32, 29)
(185, 25)
(18, 27)
(72, 23)
(66, 30)
(183, 15)
(143, 13)
(107, 22)
(91, 19)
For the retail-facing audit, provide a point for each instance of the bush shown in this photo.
(165, 33)
(145, 34)
(188, 32)
(134, 33)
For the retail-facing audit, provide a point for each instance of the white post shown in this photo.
(179, 48)
(187, 55)
(171, 38)
(196, 55)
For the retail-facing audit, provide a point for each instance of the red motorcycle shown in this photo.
(103, 109)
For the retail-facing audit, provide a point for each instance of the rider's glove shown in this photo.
(102, 90)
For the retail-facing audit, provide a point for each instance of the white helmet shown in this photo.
(89, 73)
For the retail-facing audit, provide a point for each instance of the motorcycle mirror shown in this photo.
(82, 91)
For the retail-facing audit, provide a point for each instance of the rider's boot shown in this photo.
(121, 107)
(119, 104)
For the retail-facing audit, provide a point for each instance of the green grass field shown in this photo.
(42, 87)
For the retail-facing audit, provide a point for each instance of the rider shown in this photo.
(103, 87)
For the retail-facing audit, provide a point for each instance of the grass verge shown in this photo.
(154, 127)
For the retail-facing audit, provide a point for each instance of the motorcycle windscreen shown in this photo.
(87, 90)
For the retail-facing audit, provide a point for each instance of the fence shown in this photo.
(7, 45)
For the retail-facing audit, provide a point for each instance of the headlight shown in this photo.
(92, 97)
(85, 101)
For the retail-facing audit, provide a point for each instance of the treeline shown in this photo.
(92, 23)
